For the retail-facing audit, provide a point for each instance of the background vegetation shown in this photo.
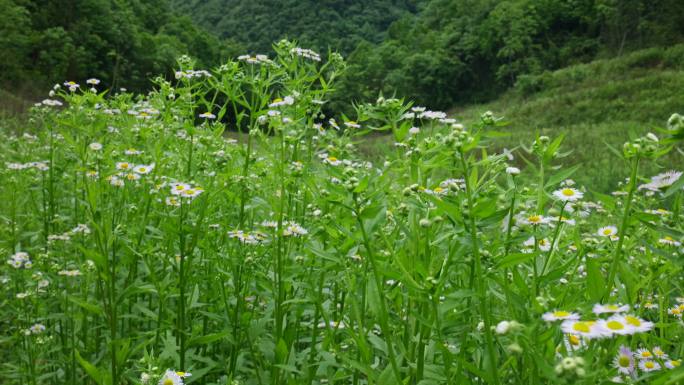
(599, 68)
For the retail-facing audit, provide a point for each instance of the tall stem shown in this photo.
(181, 272)
(384, 326)
(623, 227)
(479, 276)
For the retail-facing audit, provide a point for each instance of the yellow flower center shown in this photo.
(676, 363)
(574, 340)
(534, 218)
(560, 313)
(168, 381)
(581, 327)
(612, 307)
(277, 100)
(668, 238)
(623, 361)
(142, 169)
(633, 321)
(607, 232)
(649, 364)
(646, 354)
(438, 189)
(615, 325)
(332, 159)
(568, 192)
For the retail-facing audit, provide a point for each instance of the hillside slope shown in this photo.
(595, 104)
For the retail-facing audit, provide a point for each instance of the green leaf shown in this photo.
(209, 338)
(86, 305)
(596, 284)
(676, 186)
(92, 371)
(484, 208)
(561, 175)
(515, 259)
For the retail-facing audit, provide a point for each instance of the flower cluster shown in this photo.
(20, 260)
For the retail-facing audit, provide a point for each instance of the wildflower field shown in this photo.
(222, 230)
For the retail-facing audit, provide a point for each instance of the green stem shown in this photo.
(384, 326)
(623, 227)
(479, 276)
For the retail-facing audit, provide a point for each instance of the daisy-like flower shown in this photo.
(610, 308)
(661, 212)
(207, 115)
(624, 361)
(675, 311)
(116, 182)
(673, 364)
(617, 325)
(512, 170)
(95, 146)
(568, 194)
(586, 329)
(352, 124)
(573, 342)
(178, 188)
(123, 166)
(535, 219)
(172, 201)
(191, 193)
(661, 181)
(607, 231)
(278, 102)
(73, 86)
(271, 224)
(69, 273)
(184, 374)
(669, 241)
(559, 315)
(331, 160)
(640, 326)
(659, 353)
(643, 354)
(307, 53)
(132, 151)
(132, 176)
(93, 81)
(143, 168)
(37, 328)
(170, 377)
(294, 229)
(543, 244)
(649, 366)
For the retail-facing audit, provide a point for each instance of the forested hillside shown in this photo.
(122, 42)
(440, 53)
(446, 52)
(318, 24)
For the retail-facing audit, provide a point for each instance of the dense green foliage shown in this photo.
(460, 51)
(122, 42)
(446, 52)
(318, 24)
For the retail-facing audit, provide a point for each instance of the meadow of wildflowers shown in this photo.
(222, 230)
